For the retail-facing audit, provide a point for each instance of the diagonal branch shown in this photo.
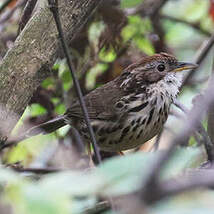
(209, 146)
(27, 63)
(194, 117)
(203, 51)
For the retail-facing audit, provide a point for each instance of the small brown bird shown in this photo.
(129, 110)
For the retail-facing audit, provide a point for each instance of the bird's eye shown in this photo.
(161, 67)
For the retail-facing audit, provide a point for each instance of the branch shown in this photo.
(35, 170)
(203, 51)
(206, 139)
(27, 64)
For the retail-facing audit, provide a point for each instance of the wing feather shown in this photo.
(100, 103)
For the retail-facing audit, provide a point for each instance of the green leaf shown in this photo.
(60, 109)
(130, 3)
(8, 176)
(107, 55)
(38, 200)
(94, 32)
(73, 191)
(37, 109)
(93, 73)
(136, 27)
(145, 45)
(48, 82)
(124, 174)
(182, 159)
(119, 175)
(89, 183)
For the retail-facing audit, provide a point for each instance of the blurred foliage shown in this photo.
(107, 44)
(130, 3)
(76, 191)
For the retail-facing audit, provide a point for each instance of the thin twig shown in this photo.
(54, 9)
(203, 51)
(206, 139)
(196, 134)
(158, 7)
(35, 170)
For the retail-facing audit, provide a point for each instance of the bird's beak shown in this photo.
(184, 66)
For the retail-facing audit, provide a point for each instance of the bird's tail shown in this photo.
(47, 127)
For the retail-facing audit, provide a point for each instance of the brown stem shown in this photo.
(210, 122)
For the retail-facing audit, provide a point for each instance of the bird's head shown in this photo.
(152, 69)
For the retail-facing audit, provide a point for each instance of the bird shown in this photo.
(129, 110)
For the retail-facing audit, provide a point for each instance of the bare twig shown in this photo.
(158, 6)
(35, 170)
(203, 51)
(206, 139)
(196, 134)
(54, 9)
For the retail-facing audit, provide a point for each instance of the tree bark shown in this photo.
(27, 63)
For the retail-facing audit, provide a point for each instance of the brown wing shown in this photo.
(100, 102)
